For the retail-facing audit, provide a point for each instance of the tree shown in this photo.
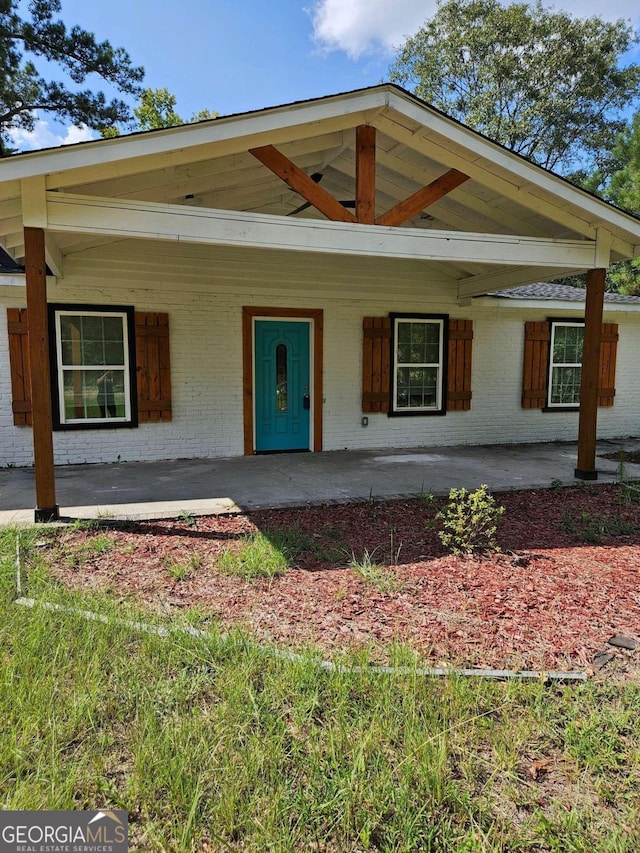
(156, 109)
(539, 82)
(623, 189)
(39, 35)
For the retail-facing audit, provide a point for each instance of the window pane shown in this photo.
(565, 385)
(92, 340)
(92, 395)
(282, 391)
(417, 387)
(113, 352)
(418, 342)
(567, 344)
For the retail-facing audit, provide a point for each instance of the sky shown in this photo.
(237, 55)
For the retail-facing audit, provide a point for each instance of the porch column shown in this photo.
(36, 278)
(586, 469)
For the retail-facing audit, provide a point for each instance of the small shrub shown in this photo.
(469, 521)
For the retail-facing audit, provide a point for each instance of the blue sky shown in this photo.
(237, 55)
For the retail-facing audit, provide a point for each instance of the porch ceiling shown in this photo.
(208, 167)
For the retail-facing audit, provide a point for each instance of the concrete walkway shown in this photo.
(137, 490)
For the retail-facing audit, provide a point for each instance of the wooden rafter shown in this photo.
(366, 174)
(422, 198)
(294, 177)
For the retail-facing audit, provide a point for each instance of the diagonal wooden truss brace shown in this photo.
(319, 198)
(299, 181)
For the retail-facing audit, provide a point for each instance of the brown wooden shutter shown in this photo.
(537, 337)
(608, 352)
(376, 364)
(19, 365)
(459, 365)
(152, 363)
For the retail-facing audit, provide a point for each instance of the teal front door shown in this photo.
(282, 391)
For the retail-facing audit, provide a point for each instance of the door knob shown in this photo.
(306, 401)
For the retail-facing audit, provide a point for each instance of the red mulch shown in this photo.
(549, 600)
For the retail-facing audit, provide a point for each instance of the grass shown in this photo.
(211, 744)
(259, 556)
(382, 577)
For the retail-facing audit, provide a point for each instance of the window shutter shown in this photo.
(459, 365)
(376, 364)
(19, 365)
(608, 352)
(152, 357)
(537, 337)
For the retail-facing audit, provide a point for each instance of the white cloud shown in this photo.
(44, 136)
(366, 26)
(360, 27)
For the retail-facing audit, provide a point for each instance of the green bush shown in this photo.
(469, 521)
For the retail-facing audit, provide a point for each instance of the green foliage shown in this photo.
(590, 528)
(469, 521)
(372, 573)
(181, 569)
(155, 110)
(258, 557)
(621, 185)
(33, 33)
(536, 80)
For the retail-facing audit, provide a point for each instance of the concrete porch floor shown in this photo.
(142, 490)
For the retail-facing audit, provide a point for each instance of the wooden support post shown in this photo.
(586, 469)
(366, 174)
(36, 278)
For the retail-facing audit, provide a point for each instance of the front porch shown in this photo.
(143, 490)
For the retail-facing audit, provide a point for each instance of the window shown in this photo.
(418, 364)
(93, 366)
(565, 364)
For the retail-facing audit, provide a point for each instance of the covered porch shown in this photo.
(145, 490)
(440, 216)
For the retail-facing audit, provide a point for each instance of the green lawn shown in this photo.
(211, 744)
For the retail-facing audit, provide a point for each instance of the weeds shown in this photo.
(181, 569)
(591, 529)
(382, 577)
(257, 557)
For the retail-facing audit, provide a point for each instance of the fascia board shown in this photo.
(105, 151)
(527, 176)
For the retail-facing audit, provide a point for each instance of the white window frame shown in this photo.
(438, 408)
(560, 364)
(60, 368)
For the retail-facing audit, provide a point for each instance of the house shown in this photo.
(320, 275)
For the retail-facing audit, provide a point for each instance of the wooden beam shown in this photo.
(93, 215)
(36, 280)
(366, 174)
(586, 468)
(506, 277)
(424, 197)
(302, 183)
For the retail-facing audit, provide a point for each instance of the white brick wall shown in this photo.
(203, 290)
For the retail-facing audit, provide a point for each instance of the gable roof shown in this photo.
(209, 165)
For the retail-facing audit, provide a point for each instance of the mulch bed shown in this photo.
(566, 580)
